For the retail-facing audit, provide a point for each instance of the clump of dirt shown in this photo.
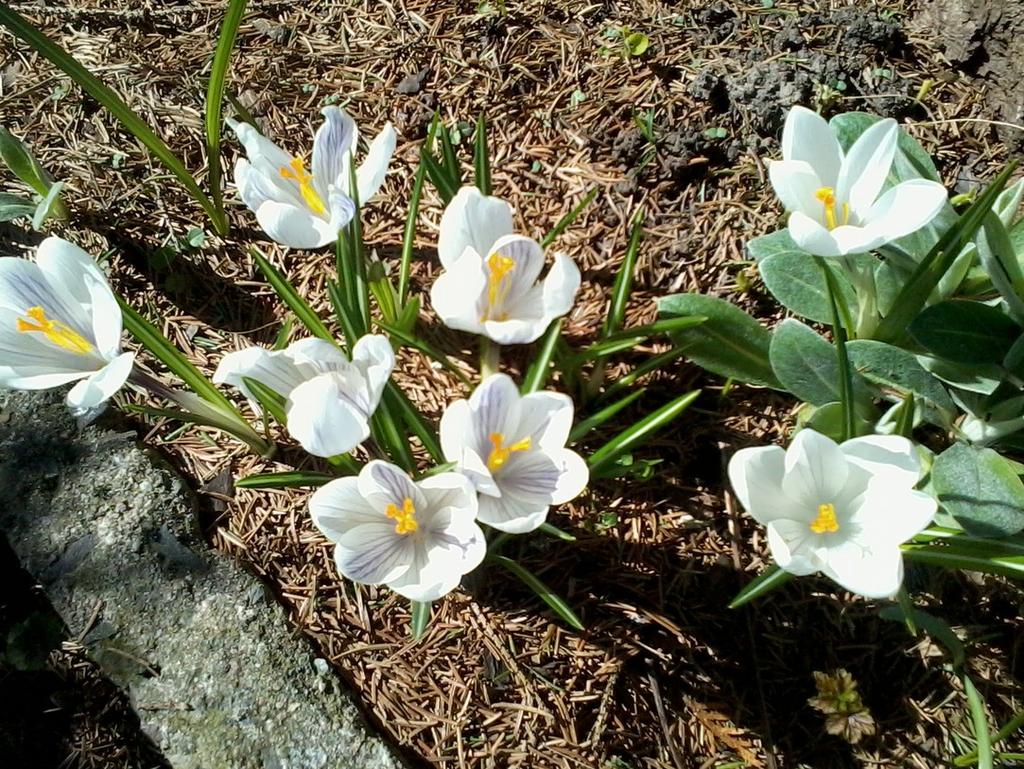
(829, 54)
(828, 57)
(985, 39)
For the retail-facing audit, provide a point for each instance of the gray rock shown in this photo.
(213, 670)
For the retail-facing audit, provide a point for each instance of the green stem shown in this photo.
(490, 357)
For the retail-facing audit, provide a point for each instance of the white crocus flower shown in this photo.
(305, 208)
(512, 447)
(490, 284)
(843, 510)
(835, 200)
(60, 323)
(419, 538)
(329, 399)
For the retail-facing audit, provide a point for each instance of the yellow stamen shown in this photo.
(827, 196)
(498, 283)
(500, 453)
(55, 332)
(296, 171)
(826, 522)
(405, 519)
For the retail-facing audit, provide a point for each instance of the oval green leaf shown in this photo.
(980, 489)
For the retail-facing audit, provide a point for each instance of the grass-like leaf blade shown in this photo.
(769, 579)
(291, 479)
(420, 611)
(528, 578)
(481, 157)
(291, 297)
(537, 374)
(215, 100)
(114, 103)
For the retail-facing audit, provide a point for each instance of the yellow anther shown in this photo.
(500, 453)
(826, 522)
(55, 332)
(405, 519)
(827, 196)
(498, 283)
(296, 171)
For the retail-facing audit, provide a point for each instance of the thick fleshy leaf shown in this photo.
(980, 489)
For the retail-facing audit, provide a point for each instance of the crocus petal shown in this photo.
(384, 483)
(295, 226)
(512, 515)
(546, 419)
(437, 568)
(92, 393)
(458, 291)
(453, 491)
(811, 236)
(71, 270)
(870, 573)
(786, 541)
(866, 166)
(258, 147)
(890, 458)
(332, 147)
(496, 410)
(887, 517)
(374, 357)
(807, 137)
(528, 260)
(517, 330)
(756, 477)
(906, 208)
(370, 175)
(321, 417)
(312, 356)
(573, 476)
(472, 220)
(374, 554)
(816, 470)
(473, 466)
(23, 285)
(560, 287)
(795, 183)
(276, 370)
(106, 318)
(850, 239)
(454, 429)
(338, 506)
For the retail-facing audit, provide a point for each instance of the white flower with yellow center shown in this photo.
(835, 200)
(305, 208)
(843, 510)
(60, 323)
(491, 283)
(512, 447)
(418, 538)
(329, 399)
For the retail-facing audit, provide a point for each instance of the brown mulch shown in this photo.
(664, 675)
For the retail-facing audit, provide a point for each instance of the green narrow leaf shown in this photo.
(623, 287)
(537, 375)
(292, 479)
(584, 426)
(420, 611)
(403, 407)
(409, 236)
(554, 531)
(438, 176)
(560, 607)
(271, 402)
(386, 431)
(291, 297)
(342, 313)
(215, 99)
(996, 252)
(48, 206)
(979, 721)
(354, 231)
(211, 416)
(481, 157)
(451, 162)
(1006, 730)
(159, 346)
(769, 579)
(915, 292)
(107, 98)
(427, 349)
(15, 206)
(905, 417)
(563, 224)
(22, 163)
(839, 340)
(652, 364)
(636, 433)
(948, 555)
